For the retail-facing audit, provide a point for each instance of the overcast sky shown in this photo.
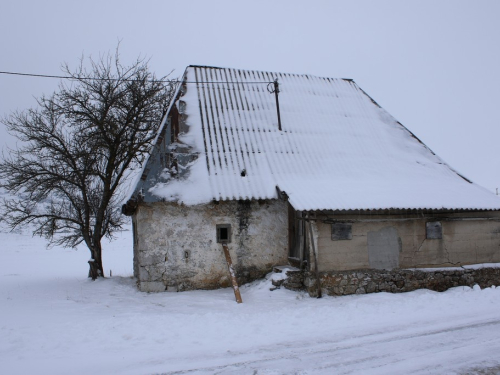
(434, 65)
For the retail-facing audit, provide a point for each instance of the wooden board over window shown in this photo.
(433, 230)
(341, 231)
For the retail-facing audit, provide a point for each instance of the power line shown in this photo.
(79, 78)
(127, 80)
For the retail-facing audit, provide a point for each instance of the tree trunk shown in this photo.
(95, 264)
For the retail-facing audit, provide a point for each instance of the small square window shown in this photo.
(433, 230)
(341, 231)
(223, 233)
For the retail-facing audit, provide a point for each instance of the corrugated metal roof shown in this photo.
(337, 150)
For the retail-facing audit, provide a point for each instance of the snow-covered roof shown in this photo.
(337, 150)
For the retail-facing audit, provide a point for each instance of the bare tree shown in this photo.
(77, 148)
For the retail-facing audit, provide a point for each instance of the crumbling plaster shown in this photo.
(176, 249)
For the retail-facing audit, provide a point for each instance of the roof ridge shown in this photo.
(267, 71)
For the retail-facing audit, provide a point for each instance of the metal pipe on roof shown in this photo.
(276, 91)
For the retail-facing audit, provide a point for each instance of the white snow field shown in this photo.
(53, 320)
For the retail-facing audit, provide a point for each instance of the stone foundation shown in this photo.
(295, 280)
(396, 281)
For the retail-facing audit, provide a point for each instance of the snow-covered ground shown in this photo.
(53, 320)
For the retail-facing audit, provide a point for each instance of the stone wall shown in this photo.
(176, 249)
(396, 281)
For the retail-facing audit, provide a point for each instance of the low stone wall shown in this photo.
(395, 281)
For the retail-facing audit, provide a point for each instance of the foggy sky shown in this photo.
(434, 65)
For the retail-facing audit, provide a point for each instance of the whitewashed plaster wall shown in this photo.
(175, 246)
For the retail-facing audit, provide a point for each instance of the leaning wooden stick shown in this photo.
(236, 288)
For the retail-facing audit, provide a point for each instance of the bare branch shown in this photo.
(77, 147)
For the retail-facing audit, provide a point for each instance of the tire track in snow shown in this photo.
(330, 351)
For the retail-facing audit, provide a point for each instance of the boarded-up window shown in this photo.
(433, 230)
(341, 231)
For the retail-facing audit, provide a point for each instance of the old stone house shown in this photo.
(300, 170)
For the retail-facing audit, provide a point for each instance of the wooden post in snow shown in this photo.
(236, 288)
(318, 282)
